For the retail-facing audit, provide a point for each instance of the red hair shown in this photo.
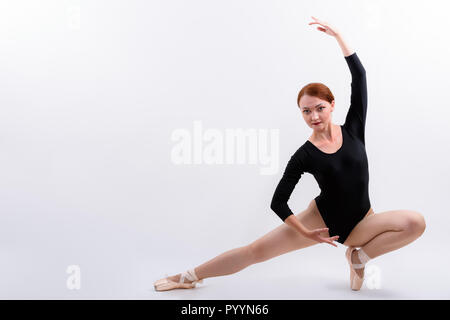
(316, 89)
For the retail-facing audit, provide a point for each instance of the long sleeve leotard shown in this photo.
(343, 176)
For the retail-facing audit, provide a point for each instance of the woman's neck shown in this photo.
(327, 134)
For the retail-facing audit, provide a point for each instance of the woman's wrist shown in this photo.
(306, 232)
(299, 227)
(346, 50)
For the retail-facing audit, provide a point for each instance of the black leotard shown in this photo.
(343, 176)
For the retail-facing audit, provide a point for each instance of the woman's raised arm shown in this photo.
(355, 121)
(334, 32)
(345, 48)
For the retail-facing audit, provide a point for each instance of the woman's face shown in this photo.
(316, 110)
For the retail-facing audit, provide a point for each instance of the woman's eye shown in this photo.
(320, 108)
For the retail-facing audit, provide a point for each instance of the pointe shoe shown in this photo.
(355, 281)
(167, 284)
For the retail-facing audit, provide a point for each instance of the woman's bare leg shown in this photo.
(383, 232)
(280, 240)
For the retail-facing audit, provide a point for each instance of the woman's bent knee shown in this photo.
(415, 222)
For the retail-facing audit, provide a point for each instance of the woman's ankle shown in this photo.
(177, 278)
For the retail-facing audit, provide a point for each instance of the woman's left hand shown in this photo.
(326, 27)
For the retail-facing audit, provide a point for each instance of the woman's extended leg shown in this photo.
(383, 232)
(280, 240)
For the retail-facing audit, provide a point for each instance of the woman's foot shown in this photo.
(173, 282)
(355, 260)
(176, 278)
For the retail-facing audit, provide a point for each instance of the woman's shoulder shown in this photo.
(303, 153)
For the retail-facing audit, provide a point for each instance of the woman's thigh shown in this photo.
(376, 223)
(284, 238)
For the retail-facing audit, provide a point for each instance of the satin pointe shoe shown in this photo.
(167, 284)
(355, 281)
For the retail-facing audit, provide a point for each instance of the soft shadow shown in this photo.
(364, 292)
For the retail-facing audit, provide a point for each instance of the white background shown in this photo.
(91, 92)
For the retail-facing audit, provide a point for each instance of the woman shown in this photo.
(335, 155)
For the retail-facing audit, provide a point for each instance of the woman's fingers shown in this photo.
(324, 26)
(330, 240)
(318, 21)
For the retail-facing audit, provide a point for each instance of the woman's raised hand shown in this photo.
(315, 235)
(325, 27)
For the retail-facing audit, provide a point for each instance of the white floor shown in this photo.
(318, 272)
(298, 276)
